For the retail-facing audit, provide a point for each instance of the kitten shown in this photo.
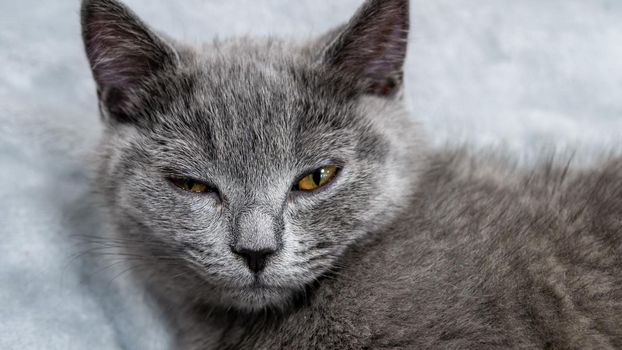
(279, 196)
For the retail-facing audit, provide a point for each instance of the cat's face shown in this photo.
(245, 170)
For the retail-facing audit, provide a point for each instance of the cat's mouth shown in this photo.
(259, 284)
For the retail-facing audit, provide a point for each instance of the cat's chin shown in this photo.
(260, 297)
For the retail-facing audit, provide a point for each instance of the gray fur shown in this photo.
(406, 248)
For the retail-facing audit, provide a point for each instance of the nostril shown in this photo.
(255, 259)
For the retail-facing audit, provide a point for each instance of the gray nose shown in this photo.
(256, 237)
(255, 259)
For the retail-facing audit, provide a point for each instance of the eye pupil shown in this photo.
(317, 177)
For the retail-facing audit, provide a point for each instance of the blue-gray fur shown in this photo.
(405, 249)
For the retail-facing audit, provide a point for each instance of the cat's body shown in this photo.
(277, 195)
(484, 257)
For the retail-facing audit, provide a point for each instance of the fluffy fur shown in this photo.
(404, 249)
(483, 258)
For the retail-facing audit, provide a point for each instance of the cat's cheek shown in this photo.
(165, 210)
(205, 204)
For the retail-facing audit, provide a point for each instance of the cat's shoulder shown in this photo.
(492, 193)
(548, 176)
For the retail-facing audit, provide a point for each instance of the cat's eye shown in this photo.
(190, 185)
(318, 178)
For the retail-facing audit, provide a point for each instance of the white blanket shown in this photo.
(523, 74)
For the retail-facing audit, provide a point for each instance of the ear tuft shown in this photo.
(122, 51)
(372, 47)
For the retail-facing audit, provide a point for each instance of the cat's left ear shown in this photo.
(123, 52)
(371, 48)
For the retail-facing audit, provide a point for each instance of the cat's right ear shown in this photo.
(123, 53)
(370, 50)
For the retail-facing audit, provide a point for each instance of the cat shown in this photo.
(279, 196)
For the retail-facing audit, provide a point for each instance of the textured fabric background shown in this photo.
(522, 74)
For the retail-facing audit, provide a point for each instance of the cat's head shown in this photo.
(243, 170)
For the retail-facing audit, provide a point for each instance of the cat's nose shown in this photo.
(255, 259)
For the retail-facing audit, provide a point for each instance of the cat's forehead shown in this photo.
(240, 87)
(265, 102)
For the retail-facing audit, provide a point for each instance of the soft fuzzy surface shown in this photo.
(526, 75)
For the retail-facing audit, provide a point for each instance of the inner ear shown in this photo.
(372, 47)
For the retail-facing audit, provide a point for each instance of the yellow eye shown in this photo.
(317, 179)
(190, 185)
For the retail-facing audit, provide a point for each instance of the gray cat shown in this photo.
(278, 196)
